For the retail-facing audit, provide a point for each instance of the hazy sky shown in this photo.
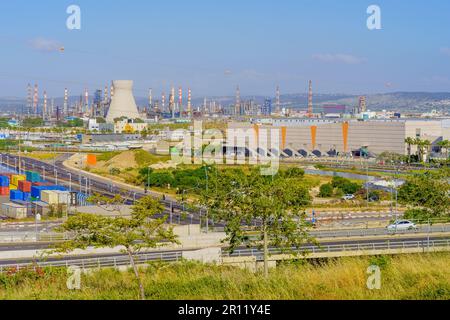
(213, 45)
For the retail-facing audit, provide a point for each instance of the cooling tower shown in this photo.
(123, 103)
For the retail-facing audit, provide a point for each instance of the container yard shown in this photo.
(24, 195)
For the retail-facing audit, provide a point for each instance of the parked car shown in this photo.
(402, 225)
(348, 197)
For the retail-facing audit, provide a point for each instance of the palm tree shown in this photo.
(410, 142)
(444, 145)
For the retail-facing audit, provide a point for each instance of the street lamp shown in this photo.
(36, 220)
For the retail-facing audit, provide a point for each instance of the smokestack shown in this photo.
(237, 107)
(189, 106)
(35, 99)
(278, 100)
(310, 100)
(44, 109)
(66, 101)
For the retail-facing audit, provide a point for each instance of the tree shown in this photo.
(444, 145)
(134, 234)
(326, 190)
(428, 192)
(275, 204)
(410, 142)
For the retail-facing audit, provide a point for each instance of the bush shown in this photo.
(326, 190)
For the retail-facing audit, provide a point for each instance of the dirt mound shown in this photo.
(124, 160)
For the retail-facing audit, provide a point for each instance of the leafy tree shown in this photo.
(428, 192)
(293, 173)
(326, 190)
(275, 203)
(345, 185)
(134, 234)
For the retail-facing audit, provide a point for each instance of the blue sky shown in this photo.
(212, 46)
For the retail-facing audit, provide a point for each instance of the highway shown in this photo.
(89, 184)
(115, 259)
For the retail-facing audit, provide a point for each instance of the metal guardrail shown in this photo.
(92, 263)
(381, 232)
(356, 247)
(123, 260)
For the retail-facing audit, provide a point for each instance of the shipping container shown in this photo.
(4, 181)
(4, 191)
(25, 186)
(36, 191)
(15, 195)
(42, 184)
(13, 187)
(14, 211)
(64, 197)
(49, 196)
(26, 196)
(32, 176)
(6, 174)
(16, 178)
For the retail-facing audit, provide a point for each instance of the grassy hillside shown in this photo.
(424, 276)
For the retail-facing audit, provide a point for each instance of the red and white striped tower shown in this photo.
(44, 108)
(66, 101)
(35, 99)
(310, 100)
(278, 100)
(105, 94)
(180, 100)
(189, 105)
(86, 100)
(29, 98)
(163, 102)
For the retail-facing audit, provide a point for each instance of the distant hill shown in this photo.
(399, 101)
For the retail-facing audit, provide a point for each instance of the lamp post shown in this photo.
(70, 182)
(36, 220)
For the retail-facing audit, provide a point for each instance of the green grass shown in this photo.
(144, 158)
(422, 276)
(106, 156)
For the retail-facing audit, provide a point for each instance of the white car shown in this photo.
(402, 225)
(348, 197)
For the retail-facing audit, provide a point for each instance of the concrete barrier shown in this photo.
(209, 255)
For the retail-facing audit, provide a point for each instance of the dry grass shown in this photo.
(424, 276)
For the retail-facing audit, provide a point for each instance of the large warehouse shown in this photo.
(303, 136)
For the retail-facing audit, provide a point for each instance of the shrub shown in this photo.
(326, 190)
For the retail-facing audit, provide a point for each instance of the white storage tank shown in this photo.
(14, 211)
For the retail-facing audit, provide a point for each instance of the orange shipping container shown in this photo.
(92, 159)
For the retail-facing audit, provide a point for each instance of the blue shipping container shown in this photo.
(4, 181)
(26, 197)
(15, 195)
(36, 191)
(33, 176)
